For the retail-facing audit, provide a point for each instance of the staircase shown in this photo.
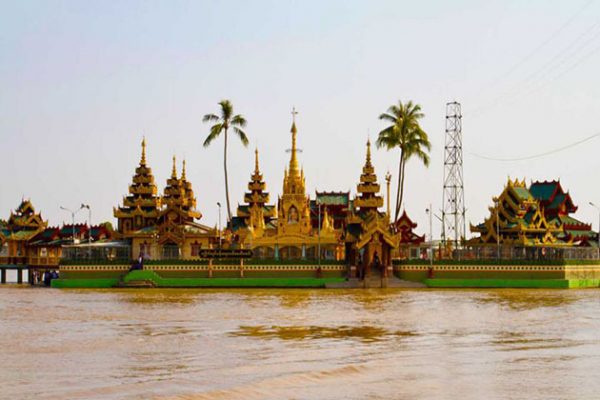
(139, 279)
(375, 281)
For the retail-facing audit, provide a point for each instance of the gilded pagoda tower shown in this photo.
(368, 231)
(294, 204)
(141, 205)
(254, 216)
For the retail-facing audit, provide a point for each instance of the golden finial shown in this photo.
(183, 170)
(143, 160)
(174, 171)
(256, 169)
(368, 151)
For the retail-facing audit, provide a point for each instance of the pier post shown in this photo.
(3, 276)
(210, 272)
(19, 275)
(241, 267)
(30, 276)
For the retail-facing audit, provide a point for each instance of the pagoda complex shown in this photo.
(538, 215)
(369, 235)
(291, 235)
(162, 227)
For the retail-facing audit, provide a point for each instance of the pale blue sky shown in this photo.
(81, 82)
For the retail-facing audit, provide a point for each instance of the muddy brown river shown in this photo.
(299, 344)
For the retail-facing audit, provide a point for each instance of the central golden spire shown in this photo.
(294, 170)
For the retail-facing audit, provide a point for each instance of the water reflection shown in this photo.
(362, 333)
(527, 299)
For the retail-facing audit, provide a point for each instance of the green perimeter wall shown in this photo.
(198, 275)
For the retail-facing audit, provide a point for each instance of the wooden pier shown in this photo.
(26, 265)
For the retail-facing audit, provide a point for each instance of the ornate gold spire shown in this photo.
(368, 152)
(174, 170)
(143, 160)
(183, 171)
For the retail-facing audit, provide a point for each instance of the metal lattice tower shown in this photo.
(453, 201)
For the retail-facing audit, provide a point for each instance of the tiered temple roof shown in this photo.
(405, 226)
(141, 205)
(25, 218)
(23, 223)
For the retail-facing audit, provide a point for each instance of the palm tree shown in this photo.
(227, 120)
(405, 134)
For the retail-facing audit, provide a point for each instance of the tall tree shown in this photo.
(223, 123)
(404, 134)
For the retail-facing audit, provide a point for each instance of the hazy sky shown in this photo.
(82, 81)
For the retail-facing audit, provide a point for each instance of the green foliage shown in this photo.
(223, 123)
(108, 225)
(404, 134)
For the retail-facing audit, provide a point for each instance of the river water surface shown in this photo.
(299, 344)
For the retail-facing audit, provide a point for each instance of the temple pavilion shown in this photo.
(162, 227)
(538, 215)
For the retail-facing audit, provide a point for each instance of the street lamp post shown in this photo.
(90, 228)
(597, 208)
(73, 213)
(497, 205)
(319, 235)
(220, 244)
(430, 212)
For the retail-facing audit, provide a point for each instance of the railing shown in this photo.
(500, 253)
(44, 261)
(198, 261)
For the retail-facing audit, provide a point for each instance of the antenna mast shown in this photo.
(453, 201)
